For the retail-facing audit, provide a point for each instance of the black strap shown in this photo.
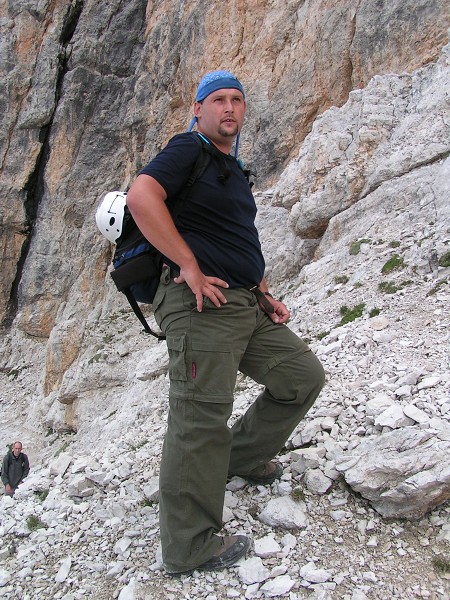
(264, 304)
(138, 312)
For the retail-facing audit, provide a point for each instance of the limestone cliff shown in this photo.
(90, 90)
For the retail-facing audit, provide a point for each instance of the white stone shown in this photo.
(384, 337)
(285, 513)
(277, 587)
(122, 545)
(317, 482)
(288, 541)
(358, 595)
(403, 472)
(378, 404)
(252, 570)
(5, 577)
(308, 432)
(227, 514)
(151, 489)
(235, 484)
(333, 347)
(311, 573)
(311, 456)
(266, 546)
(230, 499)
(7, 502)
(414, 413)
(278, 570)
(393, 417)
(64, 569)
(429, 382)
(99, 477)
(81, 486)
(129, 591)
(444, 534)
(379, 323)
(60, 465)
(252, 591)
(404, 390)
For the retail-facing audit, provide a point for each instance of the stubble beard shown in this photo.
(227, 132)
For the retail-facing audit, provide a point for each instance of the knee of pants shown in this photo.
(297, 379)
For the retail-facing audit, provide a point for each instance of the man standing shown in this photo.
(219, 318)
(15, 468)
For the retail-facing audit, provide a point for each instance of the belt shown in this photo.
(263, 303)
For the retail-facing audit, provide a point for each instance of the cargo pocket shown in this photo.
(176, 346)
(213, 372)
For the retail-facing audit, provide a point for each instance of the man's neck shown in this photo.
(224, 145)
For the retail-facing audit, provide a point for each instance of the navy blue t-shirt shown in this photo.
(217, 220)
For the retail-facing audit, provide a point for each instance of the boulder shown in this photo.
(403, 473)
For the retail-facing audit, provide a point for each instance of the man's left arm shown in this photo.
(26, 469)
(281, 314)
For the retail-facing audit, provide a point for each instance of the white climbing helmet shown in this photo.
(110, 213)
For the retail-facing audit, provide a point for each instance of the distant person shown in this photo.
(15, 468)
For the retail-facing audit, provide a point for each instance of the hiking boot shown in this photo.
(231, 549)
(265, 474)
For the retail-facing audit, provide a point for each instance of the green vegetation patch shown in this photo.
(64, 447)
(374, 312)
(442, 564)
(444, 260)
(42, 495)
(297, 494)
(350, 314)
(99, 357)
(323, 334)
(395, 263)
(341, 279)
(147, 502)
(437, 287)
(34, 523)
(355, 247)
(138, 445)
(14, 373)
(389, 287)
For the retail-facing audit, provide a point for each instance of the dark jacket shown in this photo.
(14, 470)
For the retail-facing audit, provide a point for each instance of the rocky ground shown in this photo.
(85, 522)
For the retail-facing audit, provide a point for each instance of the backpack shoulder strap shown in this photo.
(138, 312)
(200, 165)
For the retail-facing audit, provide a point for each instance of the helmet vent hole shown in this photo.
(112, 221)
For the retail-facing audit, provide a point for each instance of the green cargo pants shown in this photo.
(206, 350)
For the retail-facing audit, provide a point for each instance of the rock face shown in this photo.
(349, 157)
(106, 86)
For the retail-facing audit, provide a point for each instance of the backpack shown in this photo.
(8, 464)
(137, 263)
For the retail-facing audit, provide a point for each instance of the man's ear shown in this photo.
(197, 108)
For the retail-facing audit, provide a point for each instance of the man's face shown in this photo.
(17, 449)
(221, 115)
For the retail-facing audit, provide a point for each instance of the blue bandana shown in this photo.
(217, 80)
